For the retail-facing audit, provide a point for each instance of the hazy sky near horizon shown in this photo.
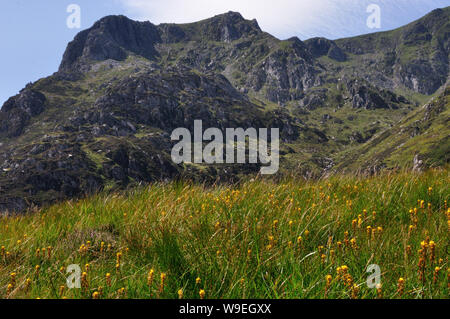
(34, 34)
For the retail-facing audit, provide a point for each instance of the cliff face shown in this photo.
(104, 120)
(113, 37)
(415, 56)
(226, 28)
(18, 110)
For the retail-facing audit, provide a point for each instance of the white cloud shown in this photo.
(280, 17)
(286, 18)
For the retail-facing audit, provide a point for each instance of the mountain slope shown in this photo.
(415, 57)
(421, 139)
(104, 120)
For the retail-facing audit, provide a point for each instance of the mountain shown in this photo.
(422, 135)
(414, 57)
(104, 120)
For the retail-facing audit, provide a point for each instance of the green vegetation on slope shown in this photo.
(423, 133)
(256, 240)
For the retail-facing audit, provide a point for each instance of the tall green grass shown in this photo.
(237, 241)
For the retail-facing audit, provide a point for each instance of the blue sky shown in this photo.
(34, 34)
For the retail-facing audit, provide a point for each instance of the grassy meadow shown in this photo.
(259, 239)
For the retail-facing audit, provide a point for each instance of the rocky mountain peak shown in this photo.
(230, 15)
(236, 19)
(115, 37)
(233, 26)
(112, 37)
(225, 27)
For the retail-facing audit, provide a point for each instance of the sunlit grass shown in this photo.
(261, 239)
